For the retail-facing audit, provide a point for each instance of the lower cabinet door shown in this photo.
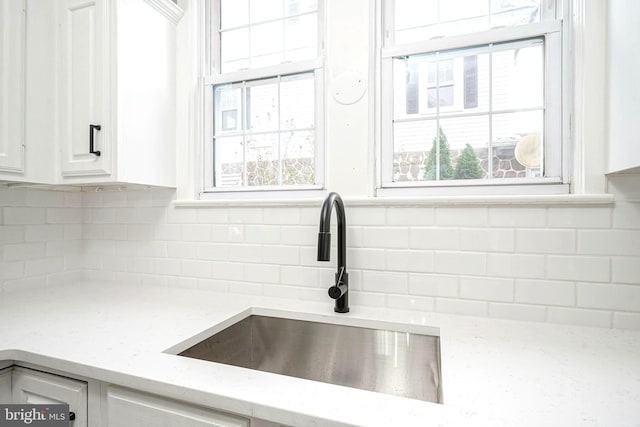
(5, 385)
(127, 408)
(40, 388)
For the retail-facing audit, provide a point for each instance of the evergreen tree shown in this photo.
(446, 169)
(468, 166)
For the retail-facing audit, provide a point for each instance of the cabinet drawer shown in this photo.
(128, 408)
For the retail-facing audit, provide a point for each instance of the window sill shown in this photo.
(506, 200)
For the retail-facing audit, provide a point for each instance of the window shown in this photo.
(471, 95)
(264, 96)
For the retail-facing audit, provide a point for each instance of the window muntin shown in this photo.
(497, 91)
(264, 95)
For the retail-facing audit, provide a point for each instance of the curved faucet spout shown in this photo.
(339, 291)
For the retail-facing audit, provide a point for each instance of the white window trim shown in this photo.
(557, 104)
(212, 76)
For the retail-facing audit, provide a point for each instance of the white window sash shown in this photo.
(213, 77)
(554, 113)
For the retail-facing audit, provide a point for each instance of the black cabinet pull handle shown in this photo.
(72, 416)
(91, 129)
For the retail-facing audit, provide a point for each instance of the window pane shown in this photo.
(460, 133)
(234, 13)
(262, 160)
(265, 10)
(294, 7)
(300, 37)
(517, 145)
(229, 161)
(262, 107)
(267, 44)
(416, 20)
(412, 142)
(298, 158)
(234, 50)
(518, 76)
(297, 102)
(228, 116)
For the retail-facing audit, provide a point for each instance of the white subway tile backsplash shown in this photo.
(546, 241)
(592, 269)
(373, 259)
(465, 307)
(245, 253)
(411, 302)
(435, 238)
(517, 312)
(16, 215)
(64, 215)
(527, 217)
(287, 216)
(12, 234)
(486, 289)
(607, 296)
(262, 273)
(385, 237)
(12, 270)
(204, 251)
(364, 216)
(545, 292)
(43, 266)
(626, 215)
(516, 265)
(191, 268)
(581, 217)
(609, 242)
(579, 317)
(626, 321)
(433, 285)
(301, 276)
(468, 263)
(43, 233)
(500, 261)
(212, 215)
(487, 240)
(625, 270)
(462, 216)
(409, 260)
(384, 281)
(284, 255)
(24, 251)
(410, 216)
(197, 233)
(246, 216)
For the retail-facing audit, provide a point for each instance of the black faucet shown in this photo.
(339, 291)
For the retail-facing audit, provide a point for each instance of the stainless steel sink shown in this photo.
(387, 361)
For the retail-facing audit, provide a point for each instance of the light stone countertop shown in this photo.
(494, 372)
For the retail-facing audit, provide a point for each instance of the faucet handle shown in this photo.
(338, 290)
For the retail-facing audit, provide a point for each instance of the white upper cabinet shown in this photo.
(116, 91)
(12, 88)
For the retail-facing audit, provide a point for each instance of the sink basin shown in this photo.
(387, 361)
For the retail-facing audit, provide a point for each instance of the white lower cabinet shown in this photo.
(35, 387)
(5, 385)
(127, 408)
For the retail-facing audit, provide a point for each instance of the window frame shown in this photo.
(553, 28)
(212, 77)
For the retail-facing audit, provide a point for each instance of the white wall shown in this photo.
(623, 89)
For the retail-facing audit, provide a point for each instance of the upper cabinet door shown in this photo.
(84, 138)
(12, 77)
